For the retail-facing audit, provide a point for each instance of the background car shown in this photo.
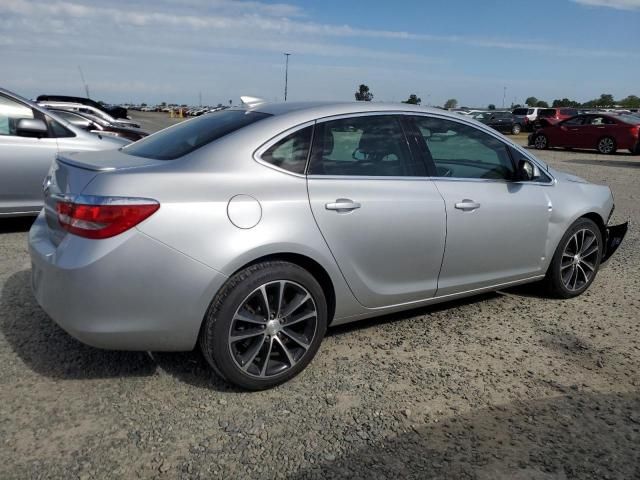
(114, 110)
(526, 116)
(79, 107)
(30, 138)
(606, 133)
(98, 125)
(555, 114)
(248, 231)
(504, 122)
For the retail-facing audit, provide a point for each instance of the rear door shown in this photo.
(496, 227)
(24, 161)
(381, 216)
(596, 127)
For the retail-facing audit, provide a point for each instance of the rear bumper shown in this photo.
(614, 237)
(129, 292)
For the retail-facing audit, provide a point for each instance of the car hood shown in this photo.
(567, 177)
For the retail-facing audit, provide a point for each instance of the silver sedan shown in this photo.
(30, 138)
(249, 231)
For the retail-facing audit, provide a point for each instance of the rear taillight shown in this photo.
(635, 131)
(103, 217)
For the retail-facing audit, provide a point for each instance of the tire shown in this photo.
(567, 275)
(516, 129)
(606, 146)
(541, 142)
(256, 353)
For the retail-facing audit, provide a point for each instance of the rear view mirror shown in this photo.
(527, 171)
(31, 127)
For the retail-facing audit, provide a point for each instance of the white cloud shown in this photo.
(617, 4)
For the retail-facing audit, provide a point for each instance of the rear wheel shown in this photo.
(606, 145)
(265, 325)
(576, 261)
(516, 129)
(540, 141)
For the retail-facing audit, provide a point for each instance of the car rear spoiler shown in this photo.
(614, 236)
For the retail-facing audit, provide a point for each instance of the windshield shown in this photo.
(628, 118)
(185, 137)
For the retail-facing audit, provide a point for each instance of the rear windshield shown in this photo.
(521, 111)
(183, 138)
(547, 112)
(632, 119)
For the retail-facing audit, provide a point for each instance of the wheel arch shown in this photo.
(598, 220)
(309, 264)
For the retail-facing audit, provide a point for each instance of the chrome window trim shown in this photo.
(266, 145)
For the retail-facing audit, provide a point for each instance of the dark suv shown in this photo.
(115, 111)
(504, 122)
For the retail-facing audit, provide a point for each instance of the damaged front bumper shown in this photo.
(613, 239)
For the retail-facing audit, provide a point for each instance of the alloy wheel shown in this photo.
(273, 328)
(540, 142)
(579, 260)
(606, 145)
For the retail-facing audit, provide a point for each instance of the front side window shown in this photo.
(10, 112)
(370, 145)
(185, 137)
(291, 152)
(462, 151)
(574, 122)
(57, 130)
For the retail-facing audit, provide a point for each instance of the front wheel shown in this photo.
(265, 325)
(540, 142)
(516, 129)
(576, 261)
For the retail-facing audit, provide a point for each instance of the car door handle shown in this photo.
(342, 204)
(467, 205)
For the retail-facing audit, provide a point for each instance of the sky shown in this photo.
(216, 50)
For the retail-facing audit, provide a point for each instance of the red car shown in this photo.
(603, 132)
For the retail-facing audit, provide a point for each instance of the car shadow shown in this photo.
(607, 163)
(578, 435)
(17, 224)
(408, 314)
(50, 351)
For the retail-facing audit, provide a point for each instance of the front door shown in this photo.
(382, 218)
(496, 227)
(24, 161)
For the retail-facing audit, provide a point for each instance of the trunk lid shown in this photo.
(72, 172)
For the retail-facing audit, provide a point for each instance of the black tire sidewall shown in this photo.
(554, 277)
(218, 321)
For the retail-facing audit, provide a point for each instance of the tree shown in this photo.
(565, 102)
(632, 101)
(531, 101)
(491, 106)
(413, 99)
(605, 100)
(451, 103)
(541, 104)
(143, 104)
(363, 94)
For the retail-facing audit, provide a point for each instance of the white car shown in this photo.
(79, 107)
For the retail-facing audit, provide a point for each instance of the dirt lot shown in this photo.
(504, 386)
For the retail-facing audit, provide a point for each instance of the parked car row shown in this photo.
(604, 132)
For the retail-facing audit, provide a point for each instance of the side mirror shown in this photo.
(31, 127)
(527, 171)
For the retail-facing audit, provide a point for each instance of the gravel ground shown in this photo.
(503, 386)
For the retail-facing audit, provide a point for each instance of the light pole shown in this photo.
(286, 75)
(504, 96)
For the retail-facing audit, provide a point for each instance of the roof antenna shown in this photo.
(251, 101)
(86, 87)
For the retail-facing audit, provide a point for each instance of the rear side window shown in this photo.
(369, 145)
(185, 137)
(291, 152)
(57, 129)
(547, 112)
